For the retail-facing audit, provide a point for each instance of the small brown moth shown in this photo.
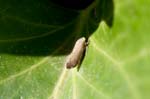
(76, 56)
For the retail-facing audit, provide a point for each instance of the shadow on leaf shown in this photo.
(41, 28)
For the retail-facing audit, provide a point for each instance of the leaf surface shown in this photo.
(35, 37)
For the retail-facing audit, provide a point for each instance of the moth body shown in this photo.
(76, 55)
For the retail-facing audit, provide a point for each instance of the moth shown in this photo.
(76, 56)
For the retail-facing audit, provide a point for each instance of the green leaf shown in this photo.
(35, 37)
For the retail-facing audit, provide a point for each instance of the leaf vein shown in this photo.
(25, 71)
(93, 87)
(133, 90)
